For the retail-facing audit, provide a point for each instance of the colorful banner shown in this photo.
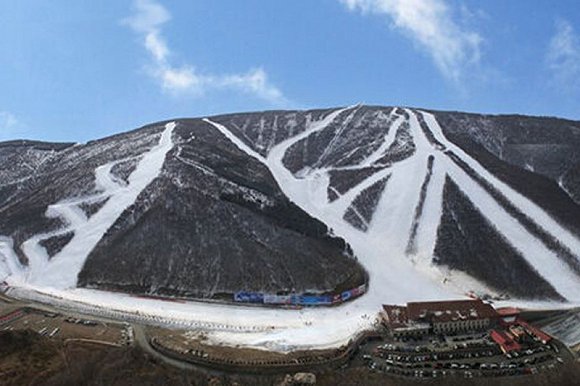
(277, 299)
(299, 300)
(249, 297)
(346, 295)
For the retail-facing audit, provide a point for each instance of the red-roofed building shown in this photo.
(505, 341)
(395, 316)
(508, 315)
(396, 320)
(453, 316)
(539, 334)
(441, 317)
(517, 331)
(508, 311)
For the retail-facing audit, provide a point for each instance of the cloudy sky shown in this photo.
(83, 69)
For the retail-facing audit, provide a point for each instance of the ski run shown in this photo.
(397, 248)
(61, 271)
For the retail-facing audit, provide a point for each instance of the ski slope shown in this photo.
(395, 215)
(397, 248)
(61, 271)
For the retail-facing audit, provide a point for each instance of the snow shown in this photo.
(341, 204)
(236, 141)
(393, 219)
(387, 142)
(521, 202)
(72, 214)
(395, 276)
(277, 329)
(431, 217)
(280, 330)
(337, 134)
(62, 270)
(546, 262)
(9, 263)
(104, 179)
(293, 188)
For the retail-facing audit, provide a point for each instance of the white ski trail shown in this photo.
(543, 260)
(296, 189)
(62, 270)
(236, 141)
(524, 205)
(388, 140)
(426, 236)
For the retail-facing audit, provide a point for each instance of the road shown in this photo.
(142, 341)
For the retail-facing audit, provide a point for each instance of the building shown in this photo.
(442, 317)
(505, 341)
(538, 334)
(508, 315)
(454, 316)
(395, 318)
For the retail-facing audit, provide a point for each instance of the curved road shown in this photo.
(142, 341)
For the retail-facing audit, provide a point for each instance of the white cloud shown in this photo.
(156, 46)
(149, 16)
(9, 125)
(147, 20)
(256, 82)
(563, 56)
(7, 120)
(177, 79)
(431, 25)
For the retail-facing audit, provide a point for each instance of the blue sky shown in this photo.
(83, 69)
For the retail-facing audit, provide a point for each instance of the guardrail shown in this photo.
(334, 358)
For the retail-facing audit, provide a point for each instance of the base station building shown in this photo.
(421, 318)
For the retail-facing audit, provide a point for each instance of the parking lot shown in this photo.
(465, 356)
(57, 326)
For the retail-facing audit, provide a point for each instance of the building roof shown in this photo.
(396, 316)
(505, 341)
(508, 311)
(450, 311)
(535, 331)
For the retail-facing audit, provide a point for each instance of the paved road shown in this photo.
(142, 341)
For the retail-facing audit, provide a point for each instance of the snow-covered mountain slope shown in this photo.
(206, 207)
(390, 178)
(174, 209)
(547, 146)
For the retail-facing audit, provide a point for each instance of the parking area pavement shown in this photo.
(464, 356)
(58, 326)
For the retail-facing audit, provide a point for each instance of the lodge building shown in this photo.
(444, 317)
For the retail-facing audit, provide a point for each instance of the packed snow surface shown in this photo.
(61, 271)
(397, 272)
(9, 263)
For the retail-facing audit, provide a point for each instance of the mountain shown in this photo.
(305, 201)
(173, 209)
